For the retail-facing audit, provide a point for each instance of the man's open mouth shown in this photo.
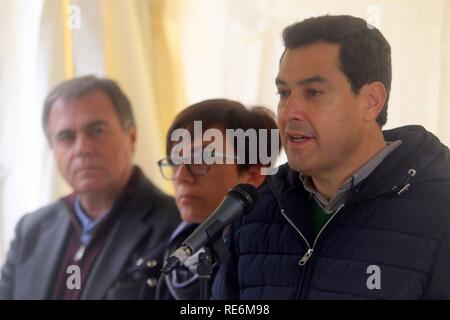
(299, 137)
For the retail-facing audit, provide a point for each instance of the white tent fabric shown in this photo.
(229, 48)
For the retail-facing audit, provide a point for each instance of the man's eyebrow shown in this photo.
(70, 132)
(96, 124)
(303, 82)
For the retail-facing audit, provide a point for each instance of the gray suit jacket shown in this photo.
(144, 226)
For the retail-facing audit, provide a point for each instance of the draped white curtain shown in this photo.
(25, 72)
(232, 48)
(229, 48)
(113, 38)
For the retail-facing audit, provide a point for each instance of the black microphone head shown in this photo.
(246, 193)
(238, 201)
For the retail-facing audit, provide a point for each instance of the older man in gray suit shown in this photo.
(89, 244)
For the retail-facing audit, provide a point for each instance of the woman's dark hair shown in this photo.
(226, 114)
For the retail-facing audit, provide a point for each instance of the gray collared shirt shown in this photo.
(87, 223)
(330, 206)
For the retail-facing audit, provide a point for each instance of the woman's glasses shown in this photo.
(168, 167)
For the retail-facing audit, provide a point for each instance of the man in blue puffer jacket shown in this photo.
(357, 213)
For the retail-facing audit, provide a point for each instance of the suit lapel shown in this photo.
(127, 232)
(129, 229)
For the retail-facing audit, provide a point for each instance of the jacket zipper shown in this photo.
(309, 252)
(296, 229)
(308, 255)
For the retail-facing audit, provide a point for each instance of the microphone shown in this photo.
(238, 201)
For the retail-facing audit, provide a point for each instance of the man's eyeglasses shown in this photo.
(169, 168)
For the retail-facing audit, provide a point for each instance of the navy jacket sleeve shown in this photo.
(439, 286)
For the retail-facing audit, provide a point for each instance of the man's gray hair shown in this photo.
(75, 88)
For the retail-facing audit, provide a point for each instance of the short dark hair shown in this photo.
(75, 88)
(365, 55)
(226, 114)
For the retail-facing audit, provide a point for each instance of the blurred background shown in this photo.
(167, 54)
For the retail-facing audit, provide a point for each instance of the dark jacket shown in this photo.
(183, 282)
(144, 225)
(396, 220)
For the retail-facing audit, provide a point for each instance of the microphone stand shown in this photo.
(205, 270)
(216, 252)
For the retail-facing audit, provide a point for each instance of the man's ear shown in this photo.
(132, 134)
(252, 175)
(374, 95)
